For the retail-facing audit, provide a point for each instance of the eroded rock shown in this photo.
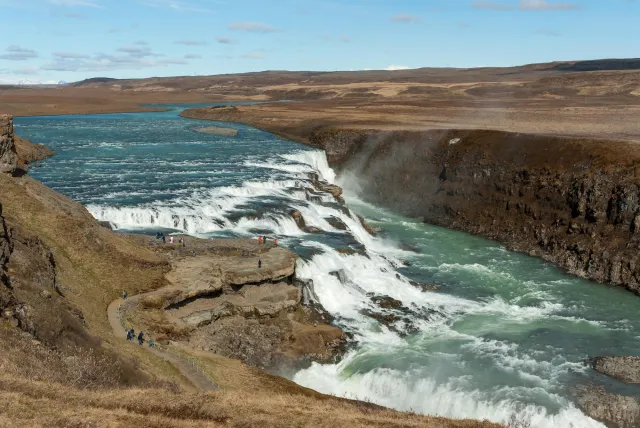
(625, 369)
(8, 154)
(616, 411)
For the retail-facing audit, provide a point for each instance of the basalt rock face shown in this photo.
(8, 155)
(573, 202)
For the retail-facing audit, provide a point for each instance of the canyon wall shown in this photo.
(573, 202)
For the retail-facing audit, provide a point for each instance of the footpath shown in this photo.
(186, 368)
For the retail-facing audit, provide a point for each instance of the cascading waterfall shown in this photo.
(490, 344)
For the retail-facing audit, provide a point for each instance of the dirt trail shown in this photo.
(186, 368)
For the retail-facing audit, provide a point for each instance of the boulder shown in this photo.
(386, 302)
(613, 410)
(336, 191)
(337, 223)
(372, 231)
(297, 217)
(625, 369)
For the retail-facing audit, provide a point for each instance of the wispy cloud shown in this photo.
(345, 39)
(74, 15)
(527, 5)
(133, 57)
(403, 17)
(252, 27)
(81, 3)
(534, 5)
(191, 42)
(69, 55)
(192, 56)
(253, 55)
(176, 5)
(490, 5)
(17, 53)
(225, 40)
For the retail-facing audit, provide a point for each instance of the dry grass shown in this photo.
(27, 403)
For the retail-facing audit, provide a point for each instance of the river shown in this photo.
(505, 334)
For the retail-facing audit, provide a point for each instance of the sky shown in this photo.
(46, 41)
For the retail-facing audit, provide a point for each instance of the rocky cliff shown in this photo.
(8, 155)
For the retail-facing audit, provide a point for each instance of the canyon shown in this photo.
(60, 269)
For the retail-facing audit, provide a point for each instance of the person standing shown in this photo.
(141, 338)
(259, 263)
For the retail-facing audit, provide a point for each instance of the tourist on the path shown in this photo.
(264, 239)
(184, 243)
(141, 338)
(128, 334)
(171, 240)
(124, 295)
(259, 239)
(275, 241)
(131, 334)
(164, 240)
(259, 264)
(151, 343)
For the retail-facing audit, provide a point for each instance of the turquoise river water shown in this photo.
(505, 334)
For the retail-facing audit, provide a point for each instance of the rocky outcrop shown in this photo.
(29, 152)
(625, 369)
(8, 155)
(615, 411)
(220, 300)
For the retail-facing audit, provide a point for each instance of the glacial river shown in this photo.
(505, 334)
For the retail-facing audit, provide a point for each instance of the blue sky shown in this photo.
(70, 40)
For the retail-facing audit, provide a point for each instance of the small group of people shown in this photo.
(131, 335)
(263, 240)
(161, 237)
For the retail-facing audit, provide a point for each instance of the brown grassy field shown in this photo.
(594, 98)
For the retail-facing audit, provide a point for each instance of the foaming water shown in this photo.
(505, 334)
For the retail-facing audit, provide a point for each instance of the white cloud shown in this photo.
(191, 43)
(133, 57)
(17, 53)
(176, 5)
(225, 40)
(535, 5)
(253, 55)
(252, 27)
(82, 3)
(403, 17)
(527, 5)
